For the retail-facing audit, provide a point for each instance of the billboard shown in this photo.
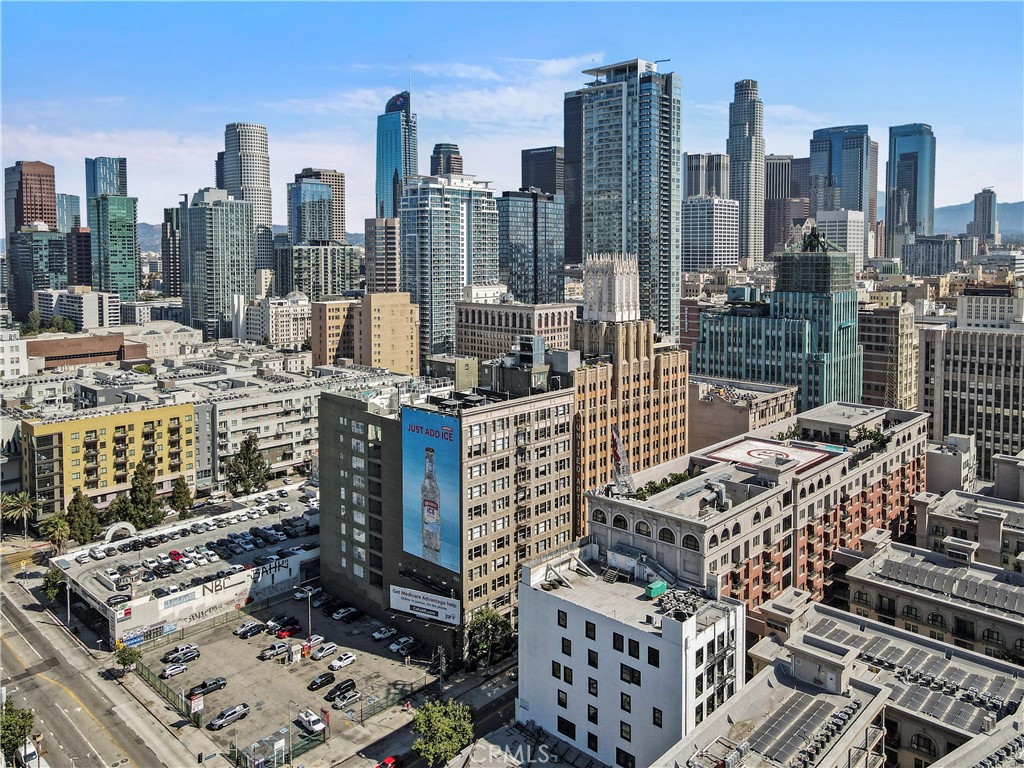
(432, 491)
(432, 607)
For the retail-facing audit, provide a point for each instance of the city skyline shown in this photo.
(494, 98)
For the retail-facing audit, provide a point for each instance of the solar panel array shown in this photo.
(959, 583)
(791, 727)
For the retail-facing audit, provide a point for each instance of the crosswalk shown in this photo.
(14, 562)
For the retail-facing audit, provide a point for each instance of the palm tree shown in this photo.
(57, 532)
(19, 506)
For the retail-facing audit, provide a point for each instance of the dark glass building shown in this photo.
(531, 246)
(544, 169)
(397, 153)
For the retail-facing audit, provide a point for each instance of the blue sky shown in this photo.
(157, 82)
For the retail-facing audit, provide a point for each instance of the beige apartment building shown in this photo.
(486, 330)
(717, 409)
(991, 528)
(380, 330)
(891, 355)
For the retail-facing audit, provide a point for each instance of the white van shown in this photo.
(325, 650)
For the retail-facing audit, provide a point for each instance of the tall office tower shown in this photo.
(218, 171)
(309, 212)
(217, 258)
(38, 260)
(116, 266)
(449, 239)
(69, 208)
(891, 355)
(247, 179)
(804, 336)
(706, 174)
(970, 380)
(881, 251)
(336, 181)
(381, 238)
(170, 250)
(544, 169)
(79, 250)
(628, 139)
(745, 148)
(711, 233)
(985, 225)
(845, 229)
(316, 269)
(29, 196)
(779, 216)
(927, 256)
(909, 182)
(572, 169)
(531, 246)
(778, 176)
(844, 160)
(445, 160)
(800, 177)
(106, 176)
(397, 153)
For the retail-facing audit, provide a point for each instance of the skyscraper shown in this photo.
(79, 249)
(544, 169)
(106, 176)
(381, 238)
(449, 239)
(217, 258)
(69, 208)
(777, 185)
(115, 245)
(779, 216)
(38, 260)
(218, 171)
(317, 269)
(309, 211)
(445, 160)
(531, 246)
(706, 174)
(909, 182)
(632, 181)
(777, 176)
(336, 181)
(29, 196)
(845, 159)
(800, 177)
(710, 233)
(745, 148)
(170, 250)
(572, 168)
(247, 178)
(985, 225)
(397, 153)
(845, 229)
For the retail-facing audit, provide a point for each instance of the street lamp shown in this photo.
(309, 614)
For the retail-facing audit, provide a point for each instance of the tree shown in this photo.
(489, 633)
(142, 368)
(19, 507)
(53, 583)
(120, 509)
(247, 470)
(181, 498)
(57, 531)
(32, 325)
(126, 657)
(146, 510)
(83, 518)
(15, 726)
(443, 730)
(60, 324)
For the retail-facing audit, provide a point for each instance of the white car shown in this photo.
(305, 592)
(97, 554)
(236, 568)
(82, 558)
(163, 559)
(384, 633)
(187, 563)
(111, 574)
(342, 661)
(199, 559)
(341, 613)
(150, 563)
(211, 555)
(173, 669)
(396, 647)
(286, 481)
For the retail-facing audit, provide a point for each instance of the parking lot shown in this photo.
(276, 690)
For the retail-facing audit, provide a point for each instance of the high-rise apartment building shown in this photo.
(170, 250)
(69, 212)
(79, 249)
(382, 255)
(779, 216)
(910, 182)
(891, 355)
(706, 175)
(927, 256)
(630, 180)
(379, 330)
(106, 176)
(38, 260)
(778, 177)
(445, 160)
(282, 323)
(449, 239)
(309, 212)
(800, 177)
(845, 228)
(985, 225)
(336, 181)
(85, 308)
(845, 159)
(745, 148)
(544, 169)
(397, 153)
(217, 259)
(247, 179)
(316, 269)
(531, 245)
(115, 245)
(29, 196)
(805, 335)
(710, 233)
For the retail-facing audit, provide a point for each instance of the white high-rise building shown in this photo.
(711, 233)
(745, 148)
(449, 239)
(247, 177)
(845, 229)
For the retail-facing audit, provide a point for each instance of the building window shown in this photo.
(567, 646)
(567, 675)
(592, 686)
(623, 759)
(563, 619)
(619, 521)
(654, 657)
(592, 658)
(592, 713)
(911, 612)
(592, 741)
(590, 630)
(625, 702)
(634, 649)
(567, 728)
(862, 597)
(618, 642)
(992, 636)
(556, 670)
(922, 743)
(629, 675)
(563, 699)
(625, 732)
(936, 619)
(656, 717)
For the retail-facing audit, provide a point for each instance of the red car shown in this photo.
(291, 629)
(175, 555)
(395, 761)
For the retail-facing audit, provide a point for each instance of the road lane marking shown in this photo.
(31, 647)
(79, 732)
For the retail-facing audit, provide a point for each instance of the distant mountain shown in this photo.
(149, 236)
(953, 219)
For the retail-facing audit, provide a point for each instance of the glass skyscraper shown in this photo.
(531, 246)
(397, 153)
(106, 176)
(309, 211)
(115, 245)
(910, 182)
(38, 260)
(68, 207)
(845, 159)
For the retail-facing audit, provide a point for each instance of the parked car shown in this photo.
(320, 600)
(384, 633)
(342, 661)
(208, 686)
(175, 555)
(289, 630)
(272, 650)
(246, 625)
(394, 761)
(183, 657)
(340, 689)
(314, 640)
(228, 716)
(82, 558)
(410, 648)
(281, 620)
(347, 700)
(341, 613)
(324, 651)
(396, 646)
(178, 649)
(320, 681)
(353, 615)
(97, 554)
(311, 722)
(172, 669)
(115, 600)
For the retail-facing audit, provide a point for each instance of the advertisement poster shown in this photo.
(425, 605)
(432, 493)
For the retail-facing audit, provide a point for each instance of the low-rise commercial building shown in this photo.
(13, 356)
(950, 464)
(66, 350)
(275, 322)
(717, 409)
(163, 338)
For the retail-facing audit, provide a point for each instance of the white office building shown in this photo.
(86, 308)
(845, 229)
(711, 233)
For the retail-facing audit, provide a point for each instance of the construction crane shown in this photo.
(620, 463)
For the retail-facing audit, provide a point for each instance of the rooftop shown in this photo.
(966, 506)
(519, 746)
(753, 452)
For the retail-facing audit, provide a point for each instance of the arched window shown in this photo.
(992, 636)
(767, 512)
(667, 535)
(862, 597)
(922, 743)
(619, 521)
(712, 542)
(736, 530)
(803, 493)
(911, 612)
(828, 479)
(757, 518)
(690, 542)
(725, 535)
(599, 517)
(1018, 645)
(642, 528)
(936, 619)
(821, 483)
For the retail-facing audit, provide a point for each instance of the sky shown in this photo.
(156, 82)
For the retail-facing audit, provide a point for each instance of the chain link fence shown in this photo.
(176, 698)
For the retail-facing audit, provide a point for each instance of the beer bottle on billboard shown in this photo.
(431, 506)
